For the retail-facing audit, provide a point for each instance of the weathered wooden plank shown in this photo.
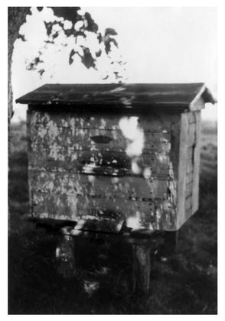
(188, 203)
(87, 139)
(191, 118)
(76, 207)
(198, 103)
(134, 188)
(190, 166)
(94, 162)
(196, 173)
(190, 153)
(117, 139)
(155, 215)
(182, 169)
(73, 120)
(108, 122)
(61, 119)
(189, 178)
(192, 134)
(54, 135)
(159, 122)
(162, 148)
(189, 188)
(188, 213)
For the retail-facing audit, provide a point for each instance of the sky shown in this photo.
(162, 45)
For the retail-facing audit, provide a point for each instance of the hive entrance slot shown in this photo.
(105, 159)
(101, 139)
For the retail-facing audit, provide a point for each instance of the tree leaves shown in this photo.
(98, 53)
(22, 37)
(33, 64)
(110, 32)
(67, 13)
(91, 25)
(109, 38)
(72, 53)
(49, 26)
(87, 58)
(80, 26)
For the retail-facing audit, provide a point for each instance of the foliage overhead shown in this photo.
(71, 23)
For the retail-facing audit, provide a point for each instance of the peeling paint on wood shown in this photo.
(138, 187)
(152, 214)
(111, 167)
(122, 187)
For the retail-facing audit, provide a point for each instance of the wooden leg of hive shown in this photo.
(170, 244)
(65, 255)
(141, 267)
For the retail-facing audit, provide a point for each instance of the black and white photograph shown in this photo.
(112, 160)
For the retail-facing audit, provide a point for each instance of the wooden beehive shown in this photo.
(107, 155)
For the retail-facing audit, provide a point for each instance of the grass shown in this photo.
(184, 283)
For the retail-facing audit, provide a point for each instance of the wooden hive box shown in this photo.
(110, 154)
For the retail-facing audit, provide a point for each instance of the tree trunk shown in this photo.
(16, 17)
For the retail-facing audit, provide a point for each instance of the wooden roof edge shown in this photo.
(206, 94)
(203, 92)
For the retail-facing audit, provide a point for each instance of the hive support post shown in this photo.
(144, 244)
(141, 266)
(170, 244)
(65, 254)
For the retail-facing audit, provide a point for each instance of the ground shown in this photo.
(184, 282)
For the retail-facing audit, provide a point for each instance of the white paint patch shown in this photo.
(42, 132)
(103, 124)
(54, 152)
(134, 167)
(134, 222)
(53, 131)
(147, 173)
(131, 130)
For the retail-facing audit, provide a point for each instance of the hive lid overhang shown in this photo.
(180, 96)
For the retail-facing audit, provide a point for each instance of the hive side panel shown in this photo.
(196, 158)
(188, 187)
(192, 182)
(182, 169)
(190, 165)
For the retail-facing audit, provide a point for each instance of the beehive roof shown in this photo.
(181, 96)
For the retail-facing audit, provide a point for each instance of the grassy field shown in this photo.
(184, 283)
